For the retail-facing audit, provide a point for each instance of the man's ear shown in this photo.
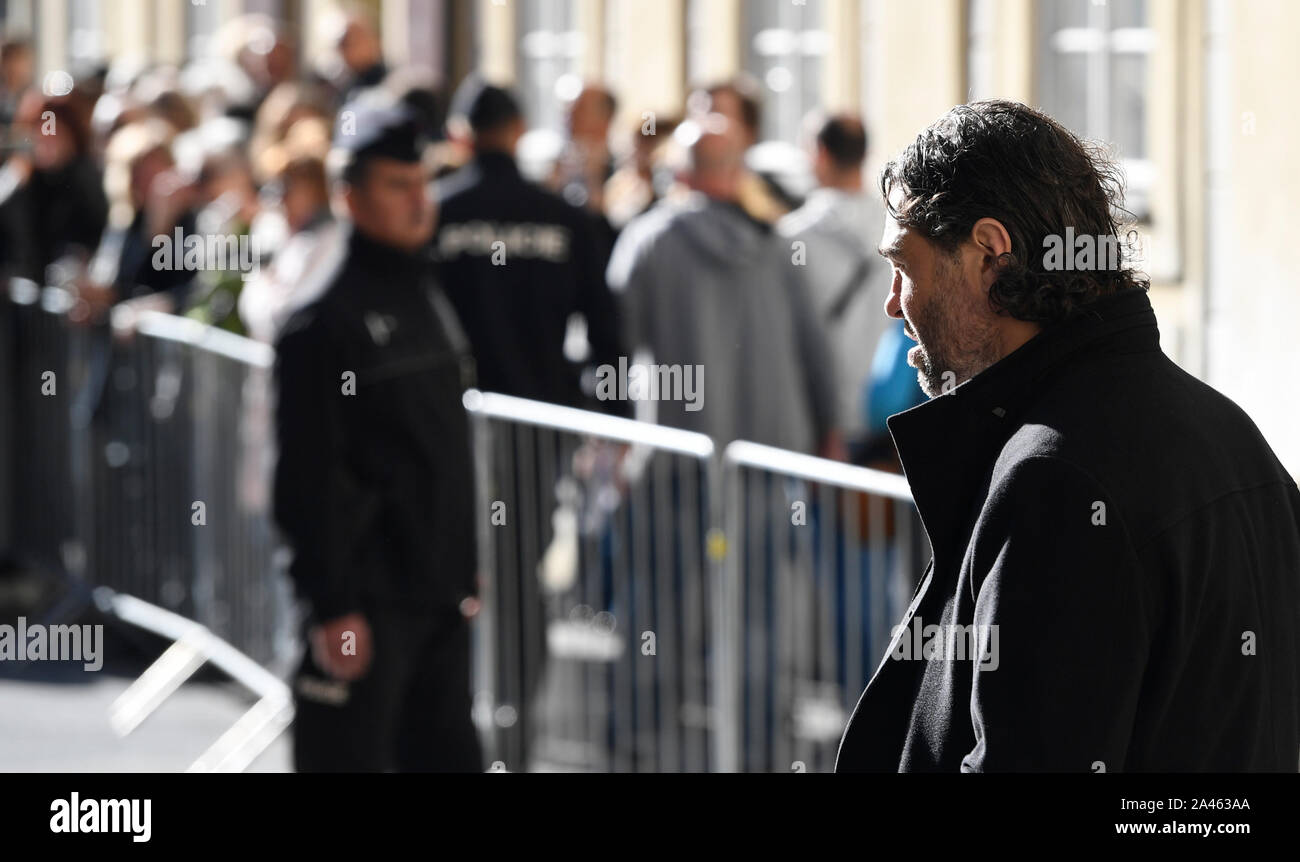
(346, 196)
(820, 156)
(991, 240)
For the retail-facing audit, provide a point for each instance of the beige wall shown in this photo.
(591, 23)
(49, 38)
(842, 71)
(394, 15)
(1013, 58)
(1253, 331)
(168, 31)
(648, 69)
(721, 19)
(907, 88)
(496, 36)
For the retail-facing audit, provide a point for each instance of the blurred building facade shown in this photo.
(1196, 97)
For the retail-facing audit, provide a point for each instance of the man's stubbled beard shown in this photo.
(954, 334)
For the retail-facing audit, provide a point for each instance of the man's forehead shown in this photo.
(893, 236)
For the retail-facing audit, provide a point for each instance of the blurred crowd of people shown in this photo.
(398, 242)
(656, 240)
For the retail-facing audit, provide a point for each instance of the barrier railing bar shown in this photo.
(193, 645)
(814, 469)
(576, 421)
(169, 327)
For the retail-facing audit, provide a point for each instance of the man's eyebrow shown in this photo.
(891, 251)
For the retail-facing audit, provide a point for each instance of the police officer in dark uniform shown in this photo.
(374, 487)
(518, 261)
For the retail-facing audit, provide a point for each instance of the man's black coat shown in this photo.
(374, 482)
(1137, 545)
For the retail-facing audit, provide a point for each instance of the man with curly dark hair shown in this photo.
(1115, 582)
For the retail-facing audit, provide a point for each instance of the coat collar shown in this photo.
(389, 264)
(948, 444)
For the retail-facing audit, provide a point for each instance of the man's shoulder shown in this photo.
(1125, 402)
(306, 326)
(672, 216)
(809, 218)
(455, 186)
(321, 320)
(548, 206)
(852, 217)
(665, 217)
(1042, 447)
(469, 194)
(1156, 442)
(696, 215)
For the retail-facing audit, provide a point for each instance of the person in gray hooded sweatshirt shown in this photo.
(707, 288)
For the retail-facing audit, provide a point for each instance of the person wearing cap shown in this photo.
(374, 486)
(518, 261)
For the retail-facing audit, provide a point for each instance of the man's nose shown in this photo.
(893, 301)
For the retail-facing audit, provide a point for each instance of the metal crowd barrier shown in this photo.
(235, 561)
(193, 645)
(820, 562)
(656, 608)
(143, 465)
(650, 604)
(594, 645)
(47, 449)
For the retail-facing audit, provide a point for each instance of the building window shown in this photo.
(1092, 77)
(784, 48)
(551, 48)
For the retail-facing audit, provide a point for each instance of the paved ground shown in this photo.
(54, 715)
(54, 726)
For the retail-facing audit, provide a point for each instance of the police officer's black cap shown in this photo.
(375, 125)
(484, 106)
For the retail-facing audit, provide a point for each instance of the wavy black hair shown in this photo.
(1007, 161)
